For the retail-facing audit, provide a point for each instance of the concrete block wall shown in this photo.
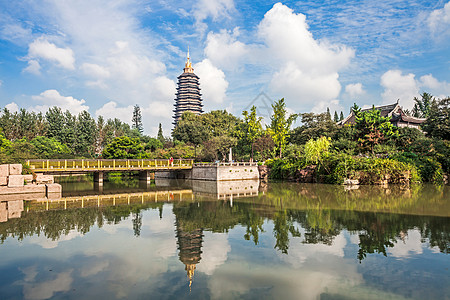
(17, 187)
(10, 210)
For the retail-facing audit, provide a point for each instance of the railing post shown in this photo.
(65, 164)
(114, 163)
(47, 164)
(82, 164)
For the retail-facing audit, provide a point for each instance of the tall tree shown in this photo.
(280, 124)
(55, 120)
(422, 106)
(253, 126)
(336, 118)
(437, 124)
(371, 128)
(160, 136)
(313, 126)
(86, 134)
(341, 117)
(328, 113)
(137, 119)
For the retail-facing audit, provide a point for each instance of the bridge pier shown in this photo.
(98, 177)
(146, 176)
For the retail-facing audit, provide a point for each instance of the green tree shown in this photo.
(56, 123)
(50, 148)
(372, 129)
(280, 124)
(124, 147)
(421, 108)
(313, 126)
(160, 136)
(252, 126)
(137, 119)
(437, 124)
(336, 118)
(328, 113)
(341, 117)
(153, 144)
(86, 134)
(218, 146)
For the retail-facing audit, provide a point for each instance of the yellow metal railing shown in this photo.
(73, 165)
(110, 200)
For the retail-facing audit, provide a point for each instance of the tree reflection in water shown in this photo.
(380, 217)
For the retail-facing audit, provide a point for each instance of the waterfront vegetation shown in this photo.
(371, 151)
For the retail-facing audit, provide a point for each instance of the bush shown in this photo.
(370, 170)
(429, 169)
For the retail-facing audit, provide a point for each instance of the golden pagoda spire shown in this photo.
(188, 66)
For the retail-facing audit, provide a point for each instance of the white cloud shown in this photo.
(410, 244)
(42, 48)
(354, 89)
(307, 68)
(51, 98)
(439, 20)
(224, 50)
(46, 289)
(211, 8)
(399, 86)
(212, 82)
(110, 110)
(12, 107)
(15, 33)
(33, 67)
(95, 70)
(215, 252)
(405, 87)
(439, 89)
(333, 105)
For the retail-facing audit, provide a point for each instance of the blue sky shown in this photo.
(107, 55)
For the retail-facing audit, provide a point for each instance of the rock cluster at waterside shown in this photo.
(15, 188)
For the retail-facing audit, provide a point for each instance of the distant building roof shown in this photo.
(394, 111)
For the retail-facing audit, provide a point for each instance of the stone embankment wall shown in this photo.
(15, 187)
(226, 171)
(214, 172)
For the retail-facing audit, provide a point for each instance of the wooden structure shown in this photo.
(394, 111)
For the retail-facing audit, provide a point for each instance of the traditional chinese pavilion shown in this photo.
(188, 97)
(395, 112)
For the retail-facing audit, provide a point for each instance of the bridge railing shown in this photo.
(71, 165)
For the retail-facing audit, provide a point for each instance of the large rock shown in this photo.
(15, 205)
(15, 181)
(3, 180)
(28, 178)
(14, 214)
(4, 170)
(3, 212)
(15, 169)
(53, 191)
(351, 181)
(44, 179)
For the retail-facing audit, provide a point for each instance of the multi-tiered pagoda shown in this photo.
(188, 93)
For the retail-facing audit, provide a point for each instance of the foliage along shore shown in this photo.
(371, 151)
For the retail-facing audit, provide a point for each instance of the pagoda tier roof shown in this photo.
(190, 86)
(185, 74)
(185, 97)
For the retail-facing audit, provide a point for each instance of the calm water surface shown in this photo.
(197, 240)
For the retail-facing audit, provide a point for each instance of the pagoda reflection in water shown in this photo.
(189, 247)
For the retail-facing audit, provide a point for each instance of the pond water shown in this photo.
(240, 240)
